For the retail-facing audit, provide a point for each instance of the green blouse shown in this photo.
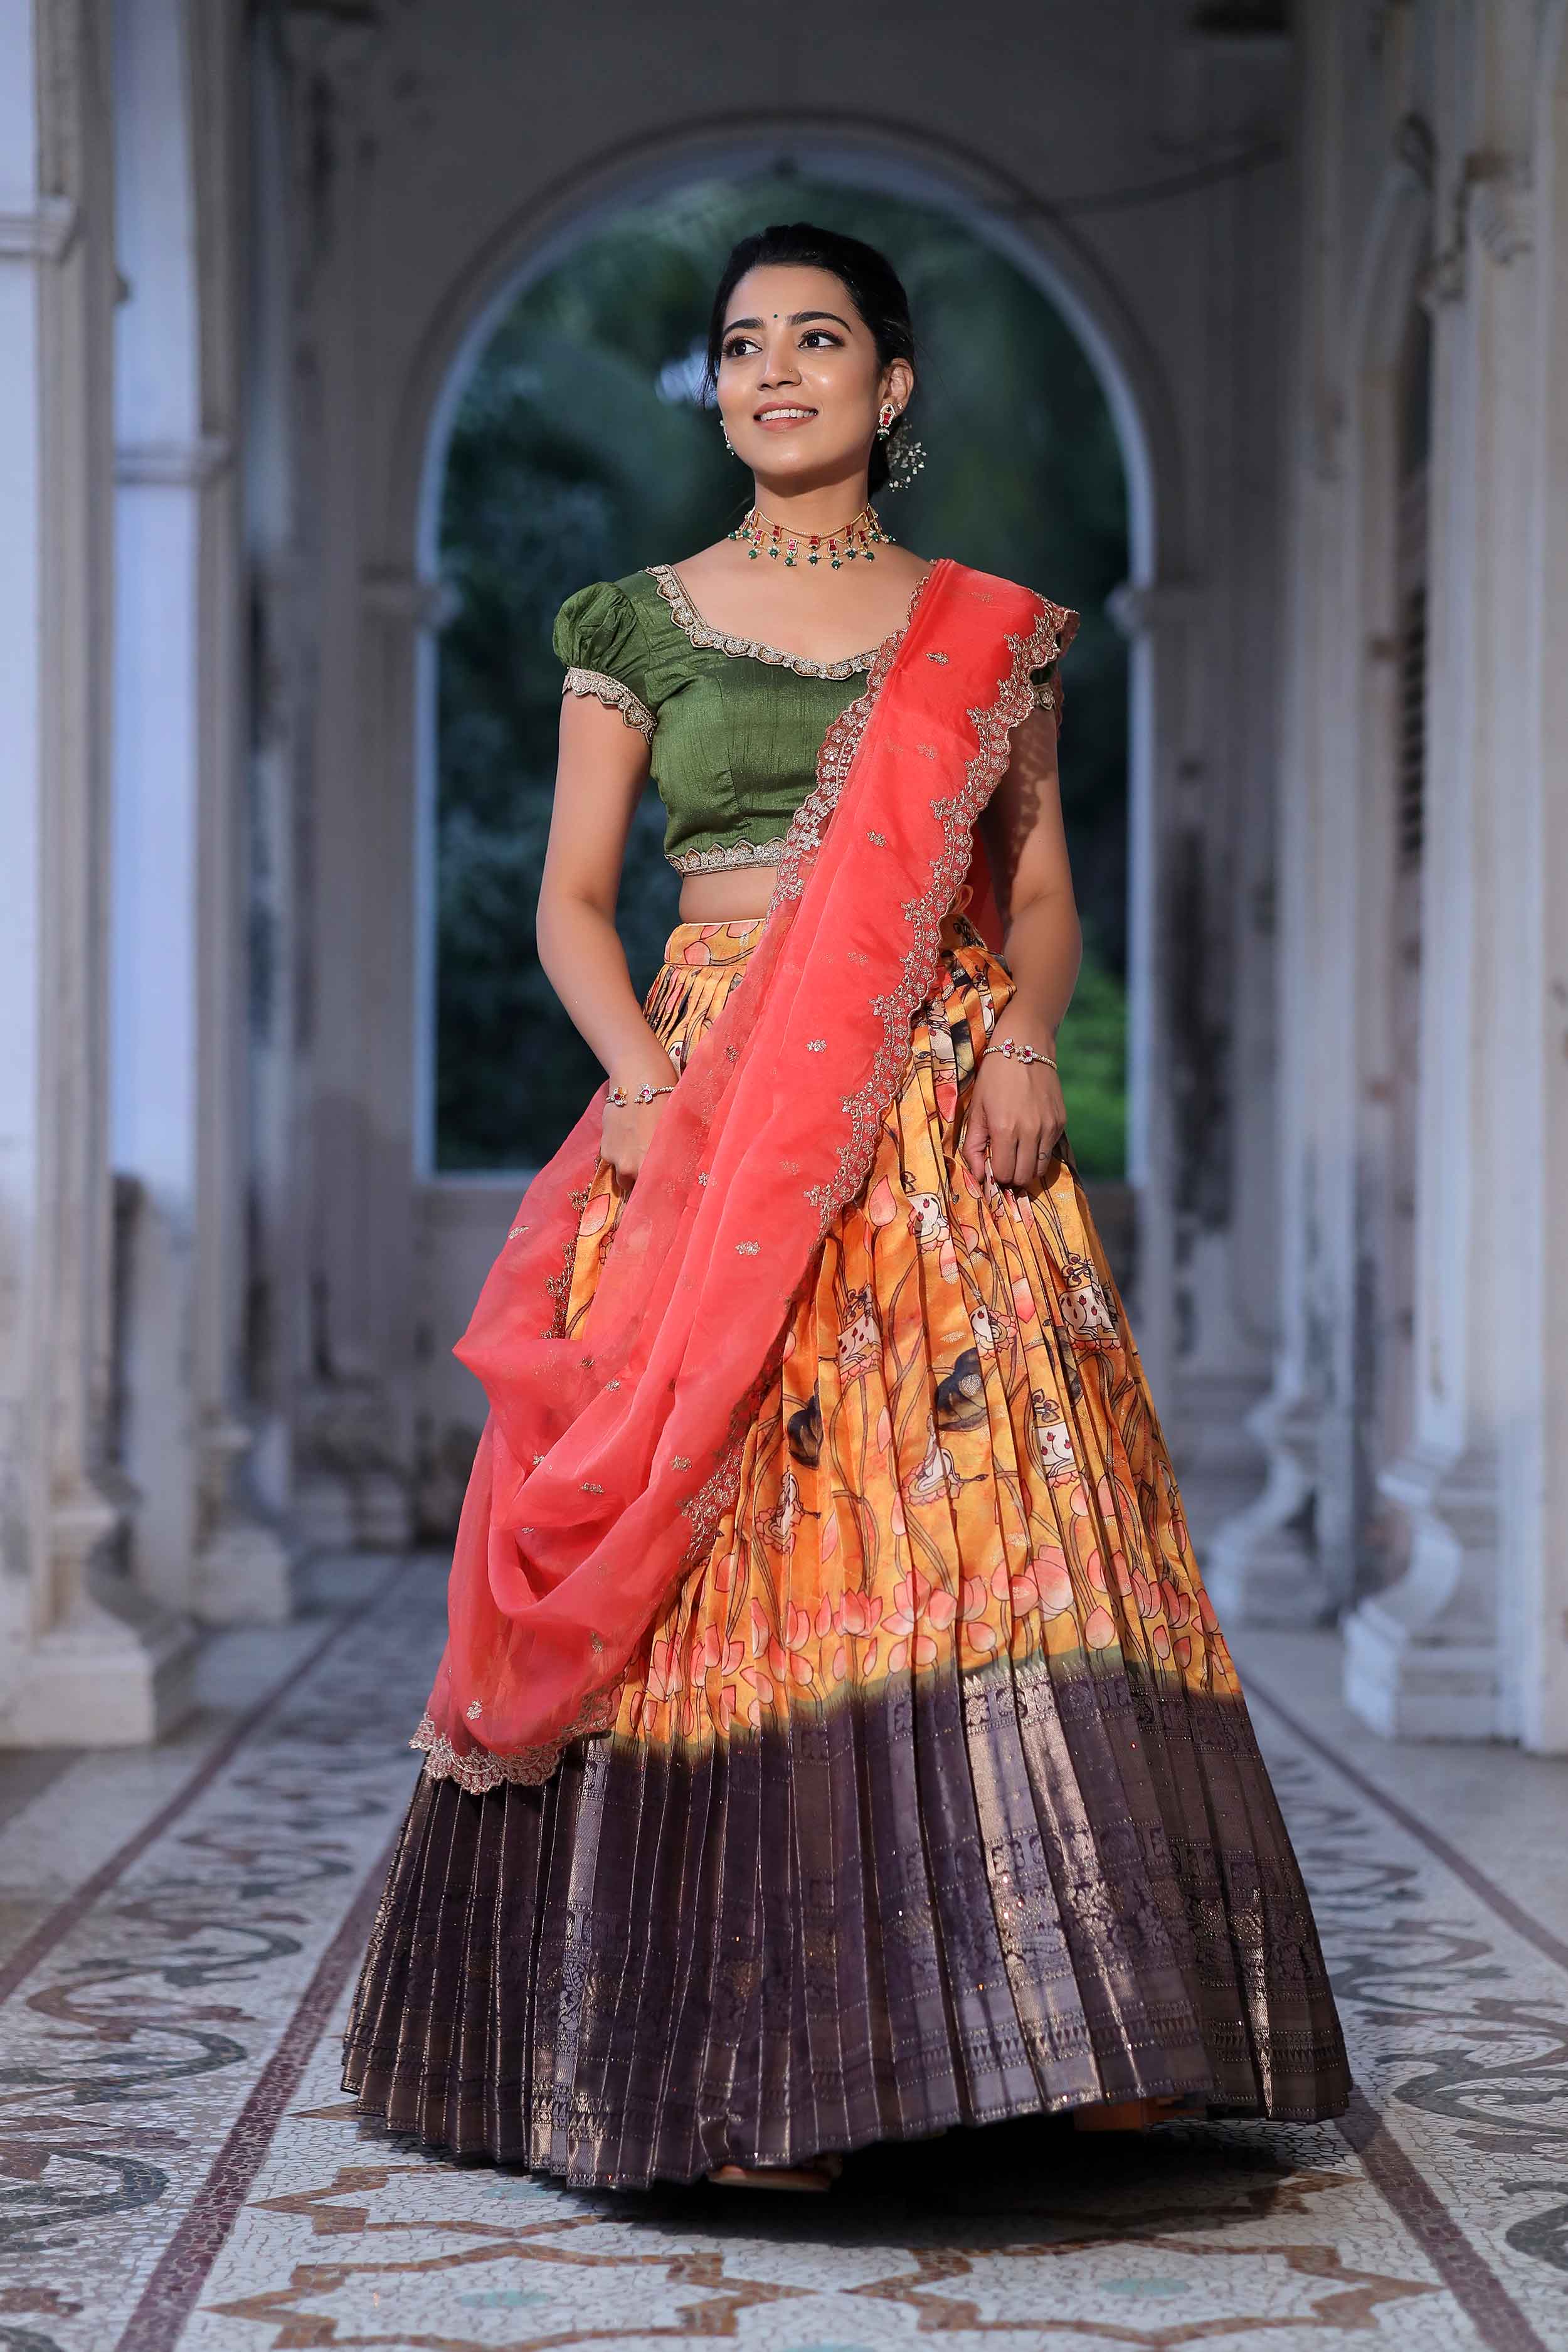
(733, 726)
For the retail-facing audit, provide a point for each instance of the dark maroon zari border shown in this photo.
(946, 1901)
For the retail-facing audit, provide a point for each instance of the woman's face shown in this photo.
(799, 381)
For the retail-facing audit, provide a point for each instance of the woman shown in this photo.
(834, 1740)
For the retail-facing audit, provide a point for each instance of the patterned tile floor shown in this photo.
(178, 1936)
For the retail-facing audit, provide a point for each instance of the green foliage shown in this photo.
(568, 463)
(1093, 1056)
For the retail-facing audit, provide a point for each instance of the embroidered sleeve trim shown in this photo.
(614, 696)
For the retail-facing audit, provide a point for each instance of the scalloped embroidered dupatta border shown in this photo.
(612, 1451)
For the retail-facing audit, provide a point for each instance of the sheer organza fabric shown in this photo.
(612, 1450)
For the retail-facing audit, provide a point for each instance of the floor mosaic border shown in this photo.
(179, 2173)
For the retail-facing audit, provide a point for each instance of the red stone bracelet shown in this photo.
(617, 1099)
(1011, 1052)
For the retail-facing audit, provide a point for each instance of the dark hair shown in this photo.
(872, 283)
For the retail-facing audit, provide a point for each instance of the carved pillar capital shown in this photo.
(1147, 608)
(1493, 212)
(173, 465)
(44, 233)
(393, 592)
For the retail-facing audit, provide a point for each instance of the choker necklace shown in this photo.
(860, 536)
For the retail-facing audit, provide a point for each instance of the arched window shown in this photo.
(579, 450)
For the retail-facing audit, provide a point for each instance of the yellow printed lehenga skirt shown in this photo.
(931, 1798)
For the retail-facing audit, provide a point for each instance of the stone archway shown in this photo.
(456, 1227)
(899, 159)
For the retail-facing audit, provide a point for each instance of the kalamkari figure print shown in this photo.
(836, 1740)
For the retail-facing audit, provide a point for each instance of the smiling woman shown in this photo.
(585, 444)
(795, 378)
(875, 339)
(834, 1739)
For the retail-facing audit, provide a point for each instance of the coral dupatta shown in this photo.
(611, 1454)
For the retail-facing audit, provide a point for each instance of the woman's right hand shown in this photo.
(628, 1131)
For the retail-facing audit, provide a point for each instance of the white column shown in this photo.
(1220, 864)
(354, 1420)
(179, 946)
(1156, 618)
(1425, 1659)
(75, 1668)
(1535, 1404)
(331, 1274)
(1263, 1565)
(276, 1338)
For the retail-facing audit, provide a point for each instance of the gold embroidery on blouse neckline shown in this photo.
(691, 623)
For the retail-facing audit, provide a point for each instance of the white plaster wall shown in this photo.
(406, 169)
(439, 174)
(176, 1039)
(1417, 120)
(22, 980)
(1536, 1407)
(82, 1654)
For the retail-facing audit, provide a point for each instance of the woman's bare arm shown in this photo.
(1016, 1113)
(600, 776)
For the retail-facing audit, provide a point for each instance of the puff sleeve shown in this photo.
(598, 637)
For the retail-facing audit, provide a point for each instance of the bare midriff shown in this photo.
(732, 897)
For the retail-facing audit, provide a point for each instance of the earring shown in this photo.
(725, 435)
(905, 459)
(905, 456)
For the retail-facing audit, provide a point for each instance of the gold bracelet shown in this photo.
(617, 1099)
(1010, 1051)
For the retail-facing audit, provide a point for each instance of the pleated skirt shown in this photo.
(932, 1797)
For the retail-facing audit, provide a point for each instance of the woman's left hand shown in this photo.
(1016, 1119)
